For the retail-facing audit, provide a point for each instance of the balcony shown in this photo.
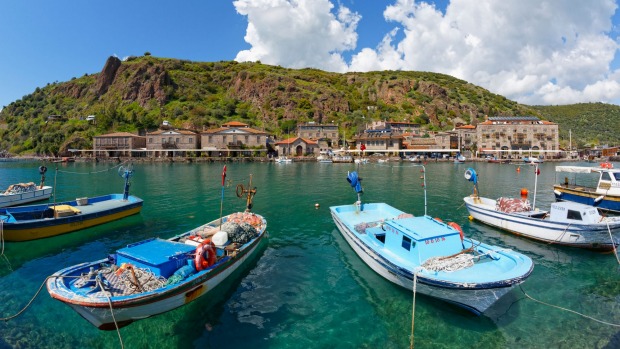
(169, 145)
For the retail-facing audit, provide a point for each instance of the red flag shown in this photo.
(363, 147)
(224, 175)
(537, 171)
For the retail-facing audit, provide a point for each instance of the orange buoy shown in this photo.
(518, 169)
(457, 227)
(524, 192)
(205, 255)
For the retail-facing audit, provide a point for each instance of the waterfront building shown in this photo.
(118, 144)
(523, 135)
(297, 146)
(171, 142)
(232, 138)
(326, 136)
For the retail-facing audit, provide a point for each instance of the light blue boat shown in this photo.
(449, 266)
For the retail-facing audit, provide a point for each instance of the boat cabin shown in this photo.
(417, 237)
(608, 181)
(574, 213)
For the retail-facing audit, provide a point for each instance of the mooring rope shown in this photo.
(415, 283)
(94, 172)
(569, 310)
(118, 331)
(4, 257)
(613, 243)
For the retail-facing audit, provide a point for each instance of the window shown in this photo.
(605, 176)
(191, 140)
(178, 140)
(576, 215)
(150, 140)
(380, 237)
(406, 243)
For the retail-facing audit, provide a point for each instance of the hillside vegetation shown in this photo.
(136, 95)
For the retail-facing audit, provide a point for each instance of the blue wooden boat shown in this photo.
(447, 265)
(605, 195)
(24, 223)
(156, 275)
(23, 193)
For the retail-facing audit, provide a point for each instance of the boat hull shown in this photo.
(26, 197)
(587, 197)
(593, 237)
(96, 213)
(474, 297)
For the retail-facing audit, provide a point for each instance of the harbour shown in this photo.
(307, 287)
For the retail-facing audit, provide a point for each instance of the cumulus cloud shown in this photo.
(553, 52)
(298, 33)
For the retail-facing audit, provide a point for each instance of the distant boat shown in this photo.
(23, 193)
(532, 160)
(446, 265)
(283, 160)
(605, 195)
(342, 159)
(24, 223)
(324, 158)
(459, 159)
(154, 276)
(567, 223)
(493, 160)
(361, 160)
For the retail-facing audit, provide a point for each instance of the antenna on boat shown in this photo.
(470, 175)
(356, 183)
(536, 173)
(125, 172)
(222, 200)
(250, 191)
(42, 170)
(424, 178)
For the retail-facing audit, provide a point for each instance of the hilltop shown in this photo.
(137, 94)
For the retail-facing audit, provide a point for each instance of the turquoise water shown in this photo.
(306, 288)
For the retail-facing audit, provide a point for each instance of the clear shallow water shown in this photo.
(307, 288)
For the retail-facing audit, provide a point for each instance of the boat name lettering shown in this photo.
(434, 240)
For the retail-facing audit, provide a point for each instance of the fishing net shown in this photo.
(239, 232)
(449, 264)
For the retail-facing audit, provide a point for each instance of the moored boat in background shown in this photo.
(23, 193)
(24, 223)
(605, 195)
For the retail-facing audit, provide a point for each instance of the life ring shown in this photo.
(205, 255)
(457, 227)
(606, 165)
(438, 220)
(239, 191)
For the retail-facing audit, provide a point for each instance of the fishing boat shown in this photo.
(23, 193)
(605, 195)
(154, 276)
(459, 159)
(532, 160)
(24, 223)
(566, 223)
(427, 255)
(283, 160)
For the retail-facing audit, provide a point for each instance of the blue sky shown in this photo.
(531, 51)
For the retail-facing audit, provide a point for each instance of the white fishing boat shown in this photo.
(154, 276)
(283, 160)
(566, 223)
(605, 195)
(22, 193)
(428, 255)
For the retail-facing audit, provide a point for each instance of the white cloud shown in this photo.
(298, 33)
(552, 52)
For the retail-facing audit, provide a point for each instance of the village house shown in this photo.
(297, 146)
(169, 143)
(326, 136)
(118, 144)
(232, 139)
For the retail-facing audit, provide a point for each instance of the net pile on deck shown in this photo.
(20, 188)
(509, 205)
(449, 264)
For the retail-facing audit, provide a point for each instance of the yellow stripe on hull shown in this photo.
(49, 231)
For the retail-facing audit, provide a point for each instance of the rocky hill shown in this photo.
(136, 95)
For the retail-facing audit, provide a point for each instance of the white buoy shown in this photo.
(317, 205)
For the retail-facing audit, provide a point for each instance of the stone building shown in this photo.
(297, 146)
(118, 144)
(233, 138)
(326, 136)
(505, 135)
(171, 142)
